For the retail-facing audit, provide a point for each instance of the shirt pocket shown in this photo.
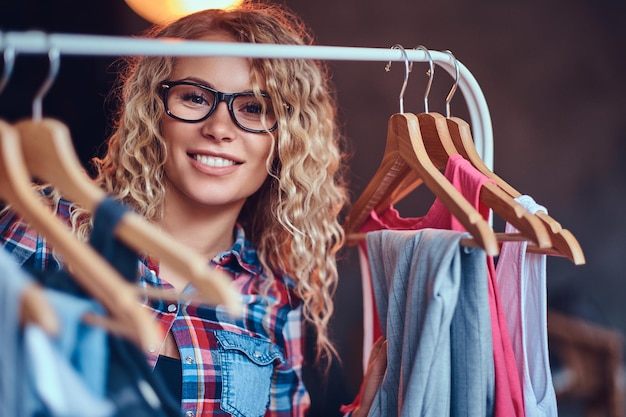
(247, 369)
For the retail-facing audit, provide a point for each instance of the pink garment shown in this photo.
(509, 400)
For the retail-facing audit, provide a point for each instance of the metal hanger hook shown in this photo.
(54, 56)
(9, 61)
(408, 66)
(456, 81)
(430, 73)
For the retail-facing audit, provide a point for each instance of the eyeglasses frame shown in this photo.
(228, 98)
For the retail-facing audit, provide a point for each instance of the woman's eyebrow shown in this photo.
(211, 85)
(197, 81)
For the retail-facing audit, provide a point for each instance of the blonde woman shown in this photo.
(239, 160)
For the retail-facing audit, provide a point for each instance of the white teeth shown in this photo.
(213, 161)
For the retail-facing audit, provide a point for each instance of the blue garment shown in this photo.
(67, 372)
(61, 376)
(106, 217)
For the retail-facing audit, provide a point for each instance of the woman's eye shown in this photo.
(252, 108)
(194, 98)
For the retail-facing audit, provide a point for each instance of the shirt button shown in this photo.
(189, 359)
(189, 414)
(172, 308)
(151, 348)
(257, 354)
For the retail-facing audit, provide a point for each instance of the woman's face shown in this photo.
(213, 162)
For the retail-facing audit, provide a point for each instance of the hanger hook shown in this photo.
(54, 57)
(9, 61)
(456, 81)
(430, 73)
(408, 66)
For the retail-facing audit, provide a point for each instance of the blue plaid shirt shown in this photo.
(249, 366)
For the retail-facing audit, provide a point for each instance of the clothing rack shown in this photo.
(37, 42)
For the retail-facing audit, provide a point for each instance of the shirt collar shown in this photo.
(241, 256)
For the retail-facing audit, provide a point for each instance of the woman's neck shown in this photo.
(208, 231)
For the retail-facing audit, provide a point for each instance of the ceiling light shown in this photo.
(164, 11)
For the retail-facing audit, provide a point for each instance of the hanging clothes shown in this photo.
(61, 376)
(521, 280)
(129, 385)
(508, 399)
(69, 371)
(417, 279)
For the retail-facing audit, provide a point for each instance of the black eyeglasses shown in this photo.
(192, 102)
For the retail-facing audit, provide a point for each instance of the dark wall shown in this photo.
(552, 76)
(552, 73)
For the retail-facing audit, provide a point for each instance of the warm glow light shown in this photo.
(163, 11)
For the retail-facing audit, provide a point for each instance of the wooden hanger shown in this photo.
(405, 152)
(406, 163)
(90, 270)
(434, 132)
(563, 241)
(50, 156)
(440, 147)
(35, 307)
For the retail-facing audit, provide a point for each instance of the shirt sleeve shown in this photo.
(27, 246)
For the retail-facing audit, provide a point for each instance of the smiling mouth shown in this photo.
(214, 161)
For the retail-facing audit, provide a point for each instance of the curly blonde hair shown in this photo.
(293, 219)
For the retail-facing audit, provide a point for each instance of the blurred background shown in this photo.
(553, 76)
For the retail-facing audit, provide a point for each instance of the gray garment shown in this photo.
(417, 285)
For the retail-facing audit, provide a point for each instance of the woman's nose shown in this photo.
(220, 124)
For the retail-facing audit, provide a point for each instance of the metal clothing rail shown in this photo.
(36, 42)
